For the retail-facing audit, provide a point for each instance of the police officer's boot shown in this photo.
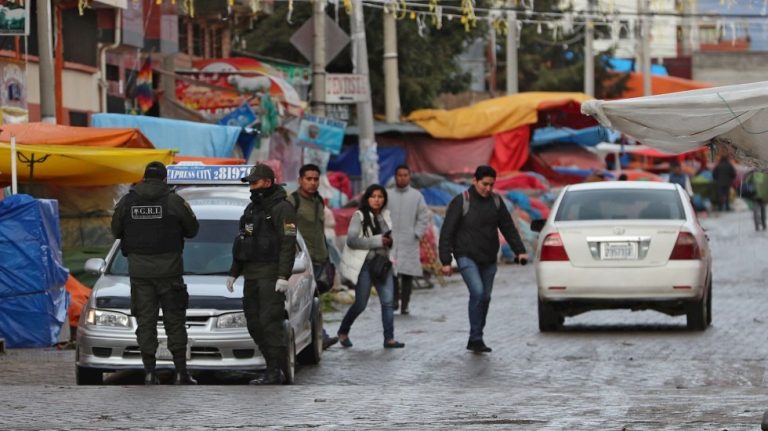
(273, 376)
(150, 376)
(182, 377)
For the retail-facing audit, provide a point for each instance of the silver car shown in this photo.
(216, 327)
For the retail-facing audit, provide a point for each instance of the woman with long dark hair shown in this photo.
(364, 262)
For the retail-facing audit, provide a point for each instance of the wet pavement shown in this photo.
(604, 370)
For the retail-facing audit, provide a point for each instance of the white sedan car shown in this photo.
(623, 244)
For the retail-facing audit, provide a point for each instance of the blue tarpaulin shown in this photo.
(188, 137)
(349, 162)
(589, 136)
(33, 300)
(628, 65)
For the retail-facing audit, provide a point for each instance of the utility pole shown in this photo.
(318, 58)
(589, 54)
(391, 80)
(645, 51)
(511, 50)
(44, 46)
(369, 158)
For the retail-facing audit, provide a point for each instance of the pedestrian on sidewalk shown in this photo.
(264, 253)
(469, 233)
(151, 222)
(755, 188)
(724, 173)
(410, 218)
(310, 219)
(365, 262)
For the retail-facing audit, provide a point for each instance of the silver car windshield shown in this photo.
(209, 253)
(616, 204)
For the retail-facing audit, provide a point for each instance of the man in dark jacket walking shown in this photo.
(724, 173)
(151, 222)
(264, 255)
(469, 232)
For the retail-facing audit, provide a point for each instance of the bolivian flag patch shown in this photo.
(289, 229)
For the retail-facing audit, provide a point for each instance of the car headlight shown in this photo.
(108, 318)
(231, 320)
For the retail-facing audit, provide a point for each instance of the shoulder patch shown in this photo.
(289, 229)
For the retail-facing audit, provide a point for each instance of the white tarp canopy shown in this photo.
(733, 117)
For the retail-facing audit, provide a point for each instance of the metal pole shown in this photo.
(14, 180)
(391, 81)
(45, 53)
(369, 158)
(318, 59)
(645, 35)
(589, 55)
(512, 52)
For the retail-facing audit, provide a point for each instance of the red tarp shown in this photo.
(536, 164)
(519, 181)
(511, 149)
(444, 156)
(571, 156)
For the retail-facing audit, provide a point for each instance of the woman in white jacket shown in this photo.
(369, 235)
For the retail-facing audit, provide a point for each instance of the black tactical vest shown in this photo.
(149, 227)
(258, 240)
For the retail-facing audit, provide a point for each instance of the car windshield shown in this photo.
(615, 204)
(209, 253)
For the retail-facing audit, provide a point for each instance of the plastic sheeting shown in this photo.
(492, 116)
(33, 300)
(349, 162)
(54, 134)
(71, 165)
(589, 136)
(188, 137)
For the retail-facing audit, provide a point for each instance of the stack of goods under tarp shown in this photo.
(33, 300)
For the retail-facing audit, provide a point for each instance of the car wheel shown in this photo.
(289, 362)
(313, 352)
(88, 376)
(696, 315)
(549, 319)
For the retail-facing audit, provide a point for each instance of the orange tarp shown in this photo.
(52, 134)
(79, 294)
(492, 116)
(660, 85)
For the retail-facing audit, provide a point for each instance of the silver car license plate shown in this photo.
(618, 250)
(163, 354)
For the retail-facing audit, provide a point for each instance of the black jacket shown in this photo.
(164, 264)
(475, 235)
(284, 221)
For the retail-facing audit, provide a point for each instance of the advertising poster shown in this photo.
(321, 133)
(14, 17)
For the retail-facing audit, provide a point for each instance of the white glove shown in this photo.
(281, 286)
(231, 284)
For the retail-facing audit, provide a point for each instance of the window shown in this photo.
(621, 204)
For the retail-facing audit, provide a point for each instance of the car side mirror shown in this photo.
(94, 266)
(299, 266)
(538, 224)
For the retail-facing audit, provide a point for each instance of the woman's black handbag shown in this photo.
(379, 266)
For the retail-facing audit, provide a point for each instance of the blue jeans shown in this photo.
(386, 290)
(479, 280)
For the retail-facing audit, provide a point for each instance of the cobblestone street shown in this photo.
(605, 370)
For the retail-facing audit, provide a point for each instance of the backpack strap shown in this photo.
(295, 199)
(465, 202)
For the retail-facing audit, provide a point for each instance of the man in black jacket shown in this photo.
(151, 222)
(469, 232)
(264, 256)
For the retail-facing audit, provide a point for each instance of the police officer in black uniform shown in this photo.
(151, 222)
(263, 253)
